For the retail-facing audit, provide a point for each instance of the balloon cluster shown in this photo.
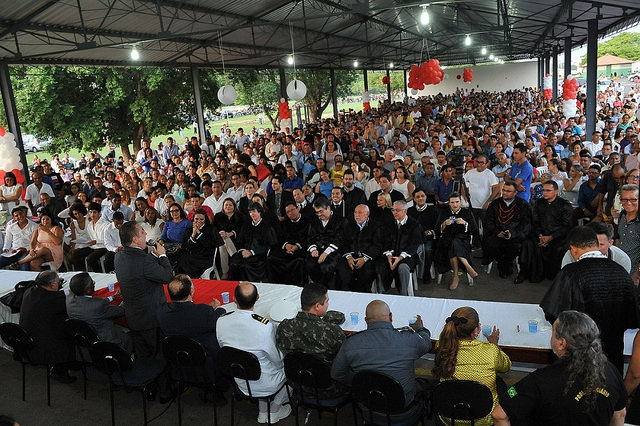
(386, 79)
(9, 156)
(427, 73)
(569, 88)
(283, 108)
(366, 99)
(467, 75)
(546, 85)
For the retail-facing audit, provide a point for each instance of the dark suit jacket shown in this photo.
(406, 239)
(322, 237)
(284, 199)
(367, 242)
(141, 277)
(373, 200)
(353, 198)
(427, 219)
(294, 232)
(192, 320)
(42, 314)
(98, 313)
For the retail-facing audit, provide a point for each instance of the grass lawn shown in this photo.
(246, 122)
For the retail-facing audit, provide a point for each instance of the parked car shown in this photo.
(33, 144)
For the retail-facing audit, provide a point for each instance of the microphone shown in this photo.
(151, 243)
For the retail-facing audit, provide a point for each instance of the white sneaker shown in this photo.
(283, 413)
(262, 417)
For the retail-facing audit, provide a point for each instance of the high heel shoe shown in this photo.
(14, 266)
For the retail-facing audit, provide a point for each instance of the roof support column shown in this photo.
(554, 74)
(592, 71)
(389, 87)
(334, 92)
(547, 63)
(195, 81)
(540, 73)
(12, 117)
(283, 83)
(404, 89)
(567, 56)
(365, 80)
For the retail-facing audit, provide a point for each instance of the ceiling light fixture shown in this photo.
(390, 64)
(491, 57)
(135, 55)
(467, 40)
(424, 16)
(484, 51)
(355, 63)
(290, 59)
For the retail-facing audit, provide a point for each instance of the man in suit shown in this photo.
(141, 276)
(385, 186)
(278, 198)
(427, 216)
(182, 317)
(363, 244)
(338, 206)
(42, 314)
(353, 196)
(325, 241)
(285, 263)
(96, 312)
(306, 207)
(401, 249)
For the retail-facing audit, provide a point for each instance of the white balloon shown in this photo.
(569, 108)
(546, 84)
(446, 76)
(227, 95)
(569, 77)
(414, 92)
(296, 90)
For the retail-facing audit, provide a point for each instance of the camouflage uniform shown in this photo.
(313, 335)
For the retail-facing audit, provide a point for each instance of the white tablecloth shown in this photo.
(506, 316)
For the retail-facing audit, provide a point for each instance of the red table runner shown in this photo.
(205, 291)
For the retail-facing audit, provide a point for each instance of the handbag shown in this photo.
(14, 299)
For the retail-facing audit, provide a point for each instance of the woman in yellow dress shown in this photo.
(461, 356)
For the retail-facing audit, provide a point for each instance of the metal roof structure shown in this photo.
(325, 33)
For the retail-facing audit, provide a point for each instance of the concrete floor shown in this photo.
(69, 408)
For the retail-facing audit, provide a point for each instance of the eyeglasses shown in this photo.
(634, 177)
(628, 200)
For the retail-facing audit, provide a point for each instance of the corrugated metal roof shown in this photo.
(326, 32)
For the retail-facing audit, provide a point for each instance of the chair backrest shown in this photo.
(186, 357)
(80, 332)
(18, 339)
(378, 392)
(462, 399)
(239, 364)
(110, 358)
(307, 370)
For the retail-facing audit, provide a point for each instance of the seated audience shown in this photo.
(199, 246)
(286, 261)
(18, 236)
(46, 245)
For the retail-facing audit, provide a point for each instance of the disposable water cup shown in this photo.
(112, 287)
(225, 297)
(533, 326)
(354, 317)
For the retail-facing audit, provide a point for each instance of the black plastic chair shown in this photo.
(21, 342)
(245, 366)
(380, 400)
(187, 361)
(83, 337)
(462, 400)
(309, 377)
(117, 365)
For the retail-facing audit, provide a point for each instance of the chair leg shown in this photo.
(268, 411)
(215, 408)
(84, 380)
(24, 374)
(144, 408)
(113, 405)
(49, 368)
(233, 397)
(180, 405)
(355, 413)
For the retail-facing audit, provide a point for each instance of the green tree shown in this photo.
(625, 45)
(259, 88)
(318, 84)
(87, 107)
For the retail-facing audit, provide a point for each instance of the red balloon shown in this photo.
(385, 80)
(458, 76)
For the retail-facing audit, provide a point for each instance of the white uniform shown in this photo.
(249, 332)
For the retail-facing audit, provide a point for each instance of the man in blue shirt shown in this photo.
(587, 203)
(521, 172)
(292, 181)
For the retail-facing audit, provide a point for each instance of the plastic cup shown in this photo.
(413, 320)
(487, 329)
(112, 287)
(225, 297)
(533, 326)
(354, 317)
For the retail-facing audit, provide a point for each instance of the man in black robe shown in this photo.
(427, 216)
(598, 287)
(507, 223)
(285, 263)
(325, 241)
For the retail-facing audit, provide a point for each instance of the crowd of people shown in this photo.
(357, 204)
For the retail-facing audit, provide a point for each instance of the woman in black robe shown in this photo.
(454, 229)
(200, 242)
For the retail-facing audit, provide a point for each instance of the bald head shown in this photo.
(377, 310)
(246, 295)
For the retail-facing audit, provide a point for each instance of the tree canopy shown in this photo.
(625, 45)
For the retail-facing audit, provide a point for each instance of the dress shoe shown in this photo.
(519, 279)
